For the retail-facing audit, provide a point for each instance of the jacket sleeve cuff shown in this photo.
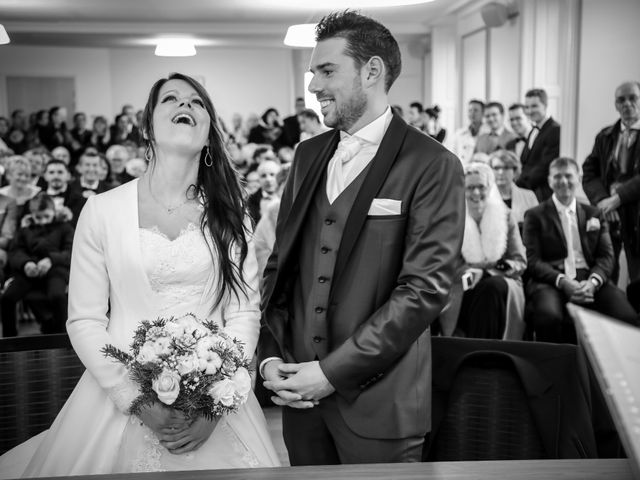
(124, 394)
(558, 278)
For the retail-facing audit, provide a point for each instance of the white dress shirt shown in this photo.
(369, 137)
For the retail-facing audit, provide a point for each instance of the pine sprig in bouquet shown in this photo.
(188, 364)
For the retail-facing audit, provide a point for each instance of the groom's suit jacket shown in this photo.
(391, 278)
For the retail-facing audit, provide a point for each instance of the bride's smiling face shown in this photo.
(180, 119)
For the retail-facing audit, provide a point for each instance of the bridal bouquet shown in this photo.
(188, 364)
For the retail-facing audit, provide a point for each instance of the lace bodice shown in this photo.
(178, 269)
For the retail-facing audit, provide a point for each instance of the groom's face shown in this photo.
(337, 84)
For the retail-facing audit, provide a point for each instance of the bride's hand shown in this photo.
(191, 438)
(163, 420)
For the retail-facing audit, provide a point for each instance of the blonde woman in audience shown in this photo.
(19, 177)
(172, 242)
(487, 298)
(506, 167)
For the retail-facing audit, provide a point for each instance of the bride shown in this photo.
(172, 242)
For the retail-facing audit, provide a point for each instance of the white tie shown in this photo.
(570, 261)
(347, 149)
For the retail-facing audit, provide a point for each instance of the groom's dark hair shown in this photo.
(365, 38)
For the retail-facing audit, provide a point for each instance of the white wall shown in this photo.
(608, 56)
(89, 67)
(242, 80)
(238, 79)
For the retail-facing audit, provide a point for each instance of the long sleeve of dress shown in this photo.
(242, 313)
(88, 307)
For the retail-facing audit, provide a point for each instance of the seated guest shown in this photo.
(432, 124)
(310, 124)
(252, 180)
(506, 168)
(20, 188)
(118, 155)
(570, 259)
(136, 167)
(40, 257)
(262, 153)
(67, 201)
(498, 136)
(88, 182)
(120, 131)
(259, 200)
(486, 298)
(264, 235)
(268, 130)
(100, 134)
(8, 223)
(38, 157)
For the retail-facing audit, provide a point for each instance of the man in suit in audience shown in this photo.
(498, 136)
(56, 174)
(369, 230)
(570, 259)
(521, 126)
(416, 118)
(542, 147)
(290, 126)
(463, 141)
(612, 175)
(88, 183)
(267, 176)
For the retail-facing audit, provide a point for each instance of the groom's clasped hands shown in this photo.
(296, 385)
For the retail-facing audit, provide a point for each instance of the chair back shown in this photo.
(488, 417)
(37, 375)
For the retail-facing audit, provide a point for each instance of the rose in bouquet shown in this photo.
(188, 364)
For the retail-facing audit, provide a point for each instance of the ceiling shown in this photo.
(239, 23)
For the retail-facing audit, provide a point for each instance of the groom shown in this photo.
(368, 234)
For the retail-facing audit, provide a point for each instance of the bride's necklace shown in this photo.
(169, 209)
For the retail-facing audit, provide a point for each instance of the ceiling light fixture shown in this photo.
(302, 35)
(4, 37)
(175, 47)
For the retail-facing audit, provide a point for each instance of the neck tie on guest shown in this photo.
(532, 136)
(626, 139)
(347, 149)
(570, 260)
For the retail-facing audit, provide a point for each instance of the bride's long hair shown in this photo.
(219, 188)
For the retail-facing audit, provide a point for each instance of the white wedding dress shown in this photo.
(92, 433)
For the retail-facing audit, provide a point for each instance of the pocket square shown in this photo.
(593, 224)
(385, 206)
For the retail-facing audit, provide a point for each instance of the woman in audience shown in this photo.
(506, 168)
(173, 242)
(20, 188)
(100, 136)
(55, 134)
(432, 124)
(39, 258)
(487, 299)
(8, 223)
(268, 130)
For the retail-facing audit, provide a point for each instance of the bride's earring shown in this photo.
(148, 154)
(207, 155)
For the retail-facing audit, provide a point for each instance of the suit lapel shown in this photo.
(582, 230)
(380, 166)
(552, 213)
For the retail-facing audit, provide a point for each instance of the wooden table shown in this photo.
(601, 469)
